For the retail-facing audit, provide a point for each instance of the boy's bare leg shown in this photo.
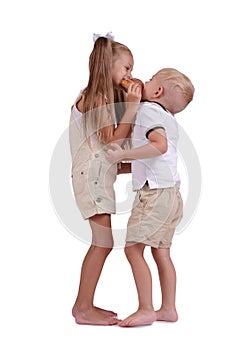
(84, 311)
(167, 277)
(142, 275)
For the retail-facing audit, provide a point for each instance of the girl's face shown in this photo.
(122, 68)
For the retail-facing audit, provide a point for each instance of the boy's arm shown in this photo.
(158, 145)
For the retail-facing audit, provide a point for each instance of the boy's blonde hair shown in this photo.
(99, 95)
(177, 79)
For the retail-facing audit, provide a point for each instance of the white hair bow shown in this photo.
(109, 36)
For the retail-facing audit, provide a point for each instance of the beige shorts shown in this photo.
(154, 216)
(93, 178)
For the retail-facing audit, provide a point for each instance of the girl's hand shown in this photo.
(134, 93)
(115, 154)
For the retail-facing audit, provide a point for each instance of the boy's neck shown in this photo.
(159, 103)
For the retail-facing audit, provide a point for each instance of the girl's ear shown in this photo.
(159, 91)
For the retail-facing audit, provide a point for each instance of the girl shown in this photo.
(93, 127)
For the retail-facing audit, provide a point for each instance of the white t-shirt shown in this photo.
(160, 171)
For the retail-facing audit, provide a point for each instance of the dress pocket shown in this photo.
(79, 178)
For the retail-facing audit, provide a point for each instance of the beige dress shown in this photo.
(93, 176)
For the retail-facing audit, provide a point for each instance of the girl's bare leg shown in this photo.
(84, 311)
(167, 277)
(142, 275)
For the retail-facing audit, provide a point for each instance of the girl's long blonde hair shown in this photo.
(99, 95)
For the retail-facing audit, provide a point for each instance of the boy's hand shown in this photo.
(115, 154)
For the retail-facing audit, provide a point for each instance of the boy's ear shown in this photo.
(159, 91)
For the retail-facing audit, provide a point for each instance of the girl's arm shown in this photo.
(123, 129)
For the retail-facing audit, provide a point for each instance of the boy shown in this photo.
(158, 206)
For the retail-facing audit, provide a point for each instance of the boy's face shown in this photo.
(171, 95)
(150, 88)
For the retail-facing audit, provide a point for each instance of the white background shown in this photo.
(45, 47)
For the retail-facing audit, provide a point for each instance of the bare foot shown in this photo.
(94, 317)
(139, 318)
(167, 315)
(106, 312)
(102, 311)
